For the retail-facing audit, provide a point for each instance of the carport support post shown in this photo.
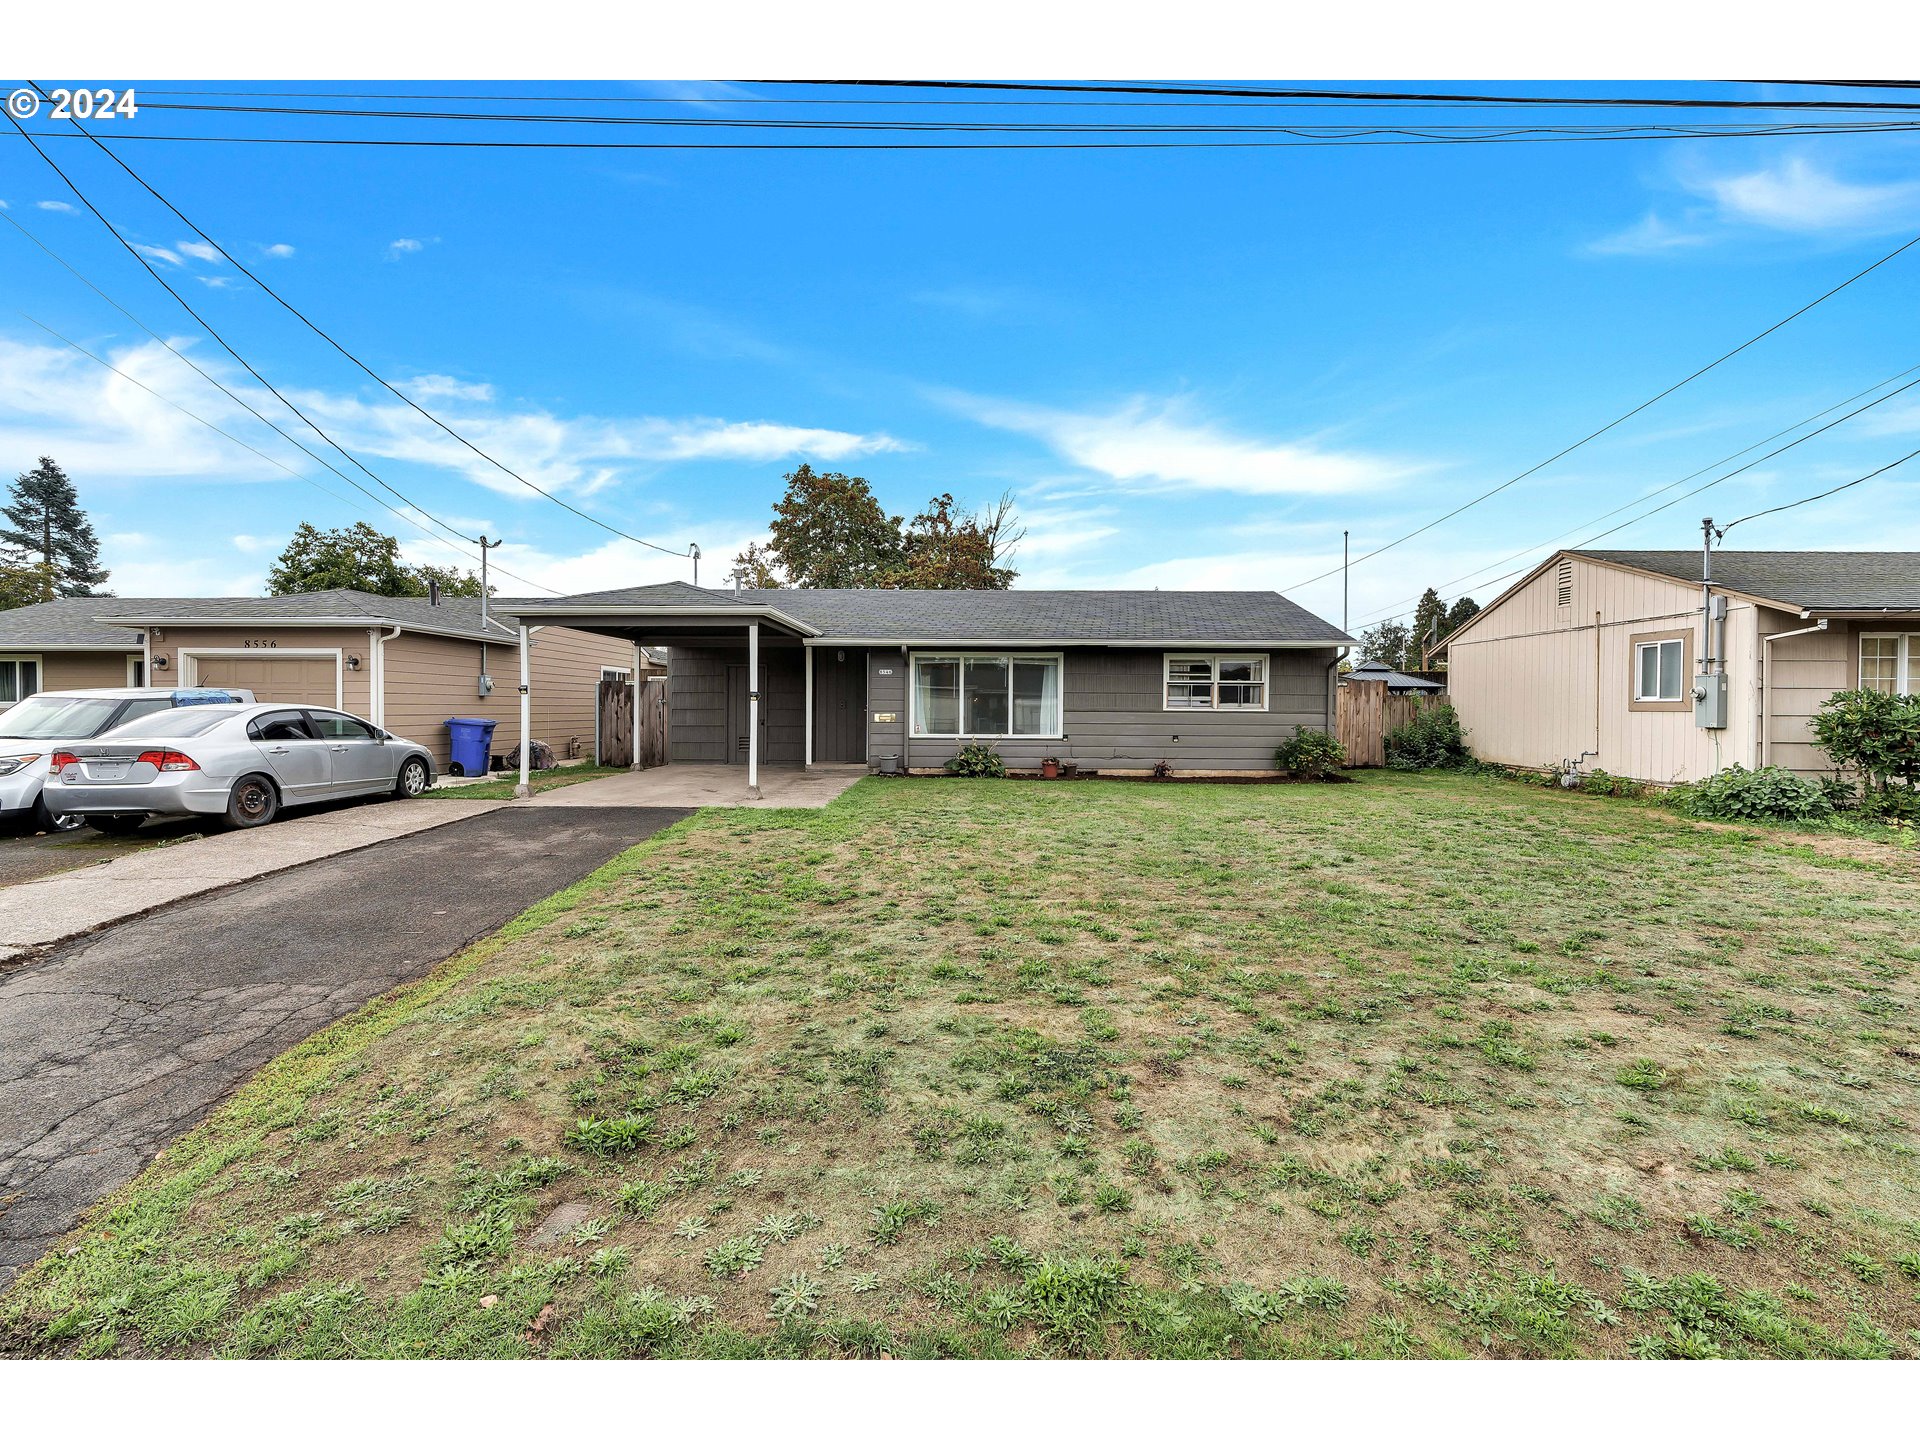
(639, 689)
(523, 789)
(808, 761)
(753, 709)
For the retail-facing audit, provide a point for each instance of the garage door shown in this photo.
(281, 679)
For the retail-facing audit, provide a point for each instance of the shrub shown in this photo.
(1600, 782)
(1312, 753)
(1740, 794)
(1878, 735)
(977, 762)
(1432, 740)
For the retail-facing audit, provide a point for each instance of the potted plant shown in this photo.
(1050, 767)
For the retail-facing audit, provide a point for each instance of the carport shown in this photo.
(674, 615)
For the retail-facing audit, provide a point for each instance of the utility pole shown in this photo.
(1707, 534)
(693, 553)
(1343, 578)
(485, 546)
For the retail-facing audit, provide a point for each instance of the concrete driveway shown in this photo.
(781, 787)
(113, 1043)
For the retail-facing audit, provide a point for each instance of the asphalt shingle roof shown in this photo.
(1396, 679)
(89, 620)
(1176, 617)
(1804, 579)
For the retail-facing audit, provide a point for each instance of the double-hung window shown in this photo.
(990, 696)
(1216, 682)
(19, 677)
(1659, 670)
(1890, 664)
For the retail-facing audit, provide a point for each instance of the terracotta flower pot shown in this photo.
(1049, 769)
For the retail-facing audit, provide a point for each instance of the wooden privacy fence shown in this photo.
(617, 700)
(1363, 714)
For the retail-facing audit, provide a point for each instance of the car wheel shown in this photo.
(252, 801)
(115, 824)
(413, 779)
(45, 819)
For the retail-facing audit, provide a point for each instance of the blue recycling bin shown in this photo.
(472, 744)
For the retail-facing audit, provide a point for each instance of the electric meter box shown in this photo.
(1710, 701)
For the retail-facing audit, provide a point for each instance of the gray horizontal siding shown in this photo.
(697, 701)
(1112, 708)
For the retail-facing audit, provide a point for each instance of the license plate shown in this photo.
(108, 770)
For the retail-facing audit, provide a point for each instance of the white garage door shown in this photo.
(279, 679)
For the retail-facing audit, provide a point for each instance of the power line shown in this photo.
(371, 142)
(365, 369)
(270, 459)
(1620, 419)
(221, 339)
(1403, 607)
(1808, 500)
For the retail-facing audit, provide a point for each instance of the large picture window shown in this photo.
(19, 678)
(1216, 682)
(1890, 664)
(991, 697)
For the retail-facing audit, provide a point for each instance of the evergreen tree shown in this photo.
(1429, 625)
(1461, 611)
(45, 519)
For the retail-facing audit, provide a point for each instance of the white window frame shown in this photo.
(136, 672)
(1214, 660)
(617, 672)
(1906, 643)
(1680, 668)
(39, 672)
(1009, 656)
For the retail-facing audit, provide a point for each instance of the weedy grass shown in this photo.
(1422, 1066)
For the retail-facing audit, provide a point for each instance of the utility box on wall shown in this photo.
(1710, 701)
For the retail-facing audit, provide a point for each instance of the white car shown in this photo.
(33, 728)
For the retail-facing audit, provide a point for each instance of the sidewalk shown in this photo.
(58, 907)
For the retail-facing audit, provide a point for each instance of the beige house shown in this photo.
(406, 665)
(1596, 657)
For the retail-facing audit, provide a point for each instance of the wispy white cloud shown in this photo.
(199, 251)
(1794, 194)
(408, 245)
(445, 387)
(59, 207)
(255, 544)
(1162, 445)
(160, 252)
(281, 251)
(216, 282)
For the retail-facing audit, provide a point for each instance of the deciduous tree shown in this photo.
(358, 557)
(829, 532)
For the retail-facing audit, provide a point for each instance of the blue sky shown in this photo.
(1191, 368)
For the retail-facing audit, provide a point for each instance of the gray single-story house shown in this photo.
(1117, 681)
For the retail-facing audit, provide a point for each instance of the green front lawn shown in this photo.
(1422, 1066)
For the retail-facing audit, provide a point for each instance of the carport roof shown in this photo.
(1122, 617)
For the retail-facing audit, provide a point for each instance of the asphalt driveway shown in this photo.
(114, 1043)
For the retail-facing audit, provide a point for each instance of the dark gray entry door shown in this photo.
(839, 706)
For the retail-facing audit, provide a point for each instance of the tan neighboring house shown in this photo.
(1596, 656)
(406, 665)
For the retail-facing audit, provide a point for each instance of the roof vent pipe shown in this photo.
(433, 592)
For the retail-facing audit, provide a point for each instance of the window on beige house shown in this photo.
(1890, 664)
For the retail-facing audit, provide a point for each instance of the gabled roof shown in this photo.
(1396, 679)
(108, 621)
(1797, 579)
(1170, 617)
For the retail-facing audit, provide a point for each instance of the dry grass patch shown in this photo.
(1420, 1066)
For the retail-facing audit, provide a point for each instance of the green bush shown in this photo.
(1312, 753)
(1741, 794)
(1432, 740)
(1878, 735)
(1600, 782)
(977, 762)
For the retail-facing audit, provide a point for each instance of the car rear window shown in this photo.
(179, 724)
(58, 717)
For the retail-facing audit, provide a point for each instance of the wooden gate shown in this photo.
(1364, 713)
(616, 723)
(617, 700)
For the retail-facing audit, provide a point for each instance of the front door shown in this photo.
(839, 706)
(300, 761)
(737, 714)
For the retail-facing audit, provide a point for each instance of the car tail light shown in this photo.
(60, 759)
(165, 760)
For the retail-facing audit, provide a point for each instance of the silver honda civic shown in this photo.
(244, 763)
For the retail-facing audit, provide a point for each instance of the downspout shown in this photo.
(906, 710)
(524, 789)
(146, 657)
(379, 680)
(1766, 686)
(1596, 684)
(1333, 688)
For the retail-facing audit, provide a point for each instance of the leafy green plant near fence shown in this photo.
(1432, 740)
(1879, 736)
(1312, 754)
